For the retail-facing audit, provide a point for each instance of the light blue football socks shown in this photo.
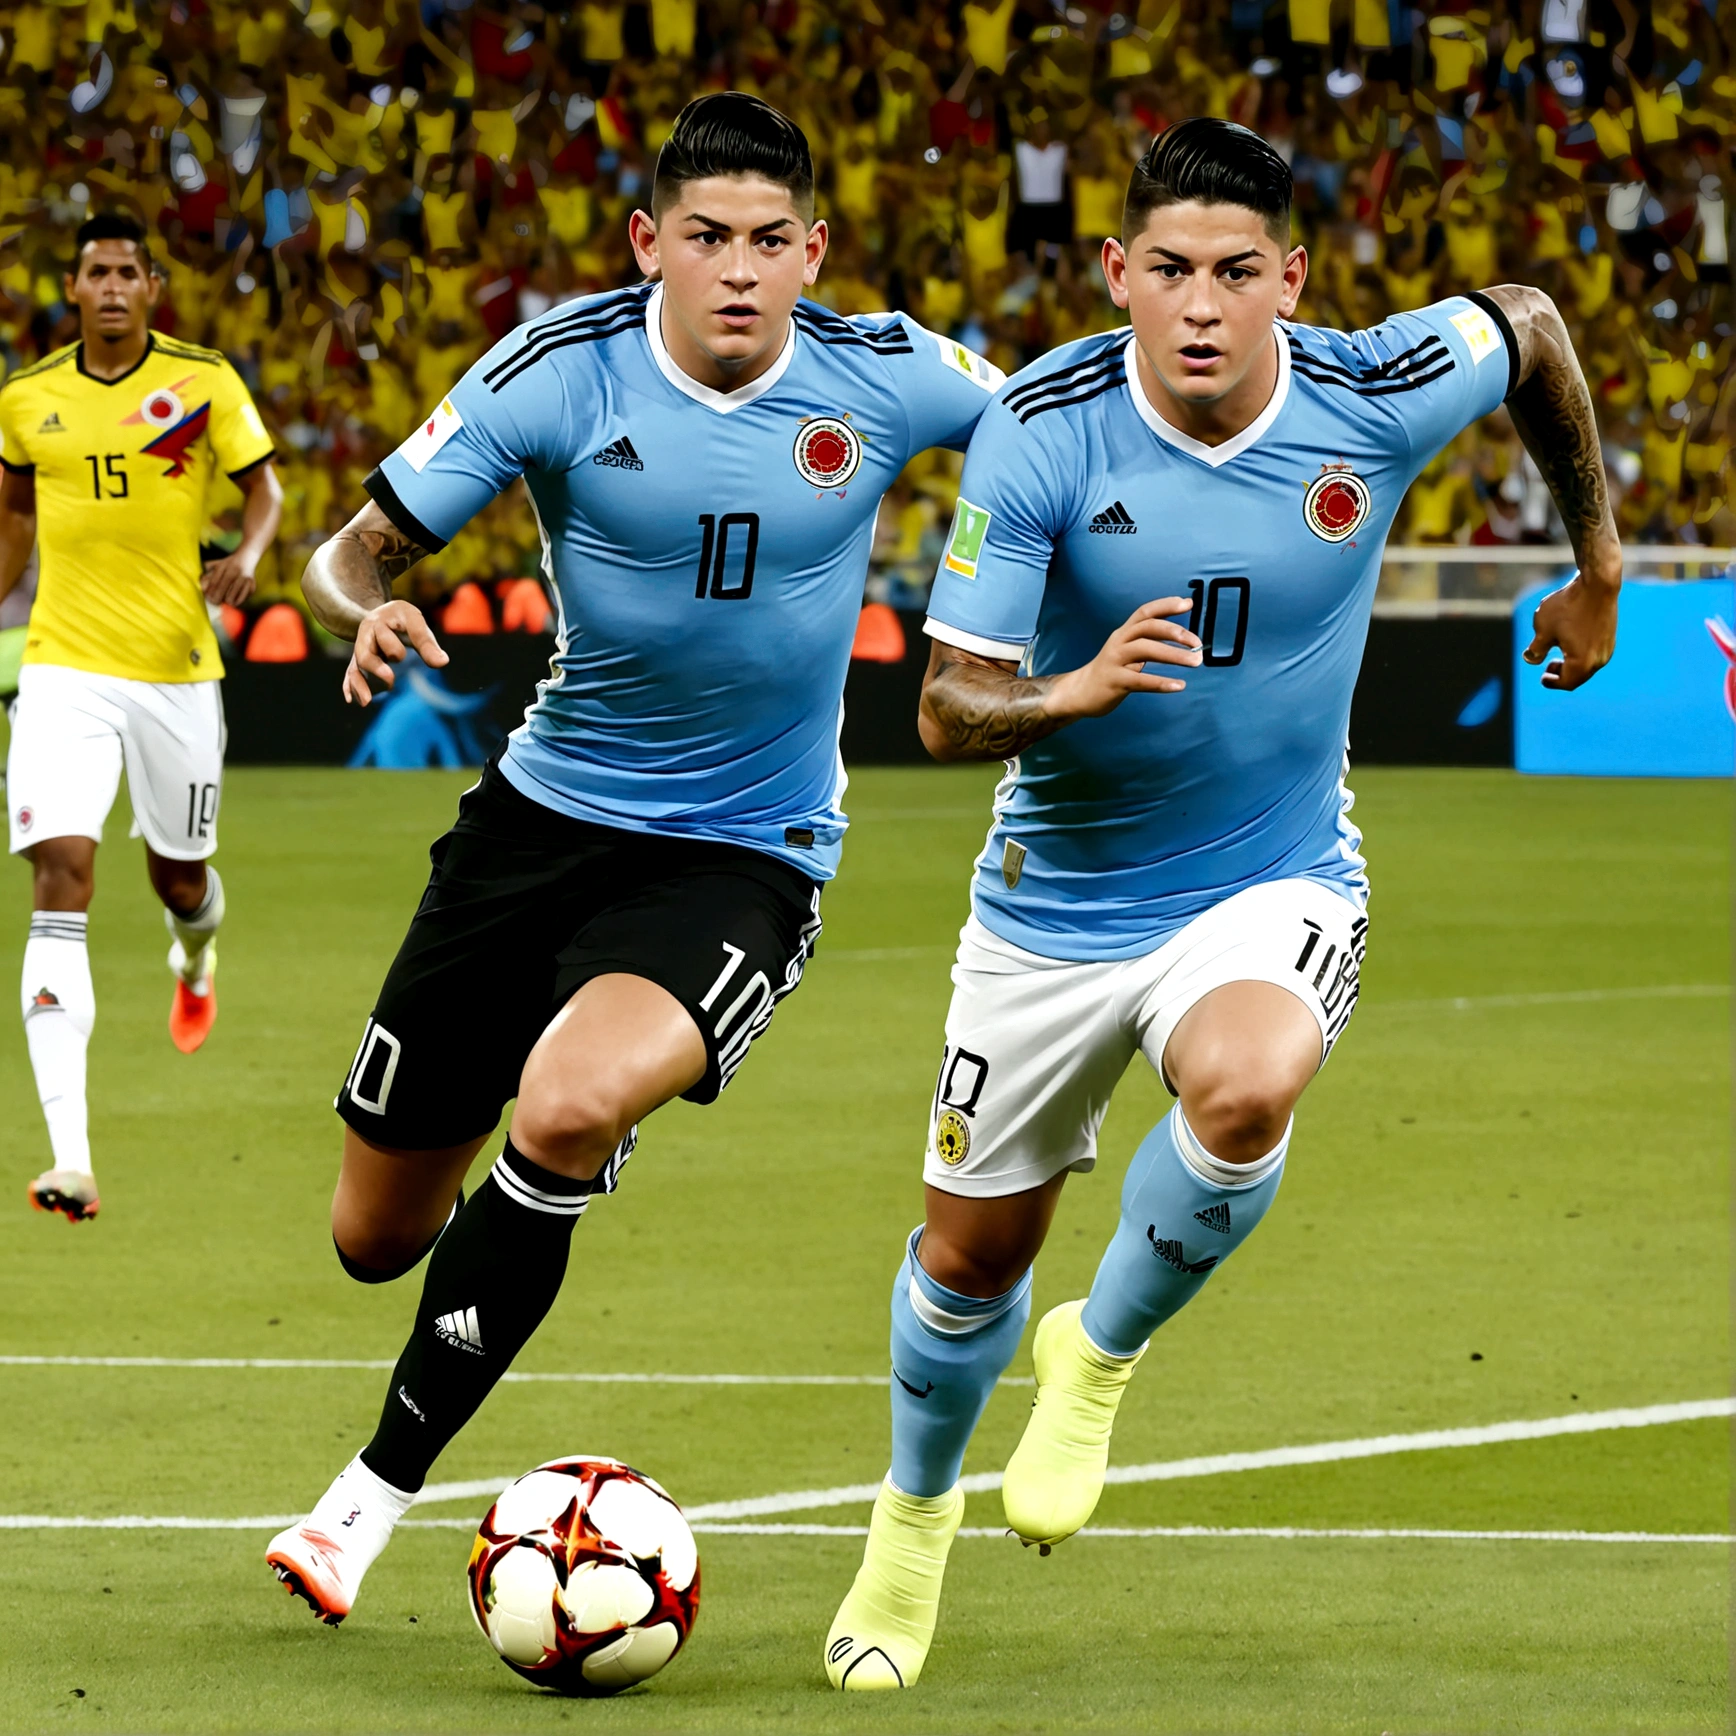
(948, 1351)
(1183, 1213)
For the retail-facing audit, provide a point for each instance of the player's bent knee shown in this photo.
(1239, 1120)
(376, 1254)
(570, 1131)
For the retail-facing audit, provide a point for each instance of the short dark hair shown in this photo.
(1217, 163)
(731, 133)
(111, 226)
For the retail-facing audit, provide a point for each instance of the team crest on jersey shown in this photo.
(952, 1138)
(162, 409)
(161, 406)
(26, 819)
(828, 452)
(1336, 504)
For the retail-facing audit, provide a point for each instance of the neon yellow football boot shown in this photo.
(1055, 1476)
(885, 1626)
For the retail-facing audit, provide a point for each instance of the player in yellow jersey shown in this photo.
(108, 448)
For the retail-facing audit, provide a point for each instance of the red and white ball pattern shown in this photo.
(585, 1577)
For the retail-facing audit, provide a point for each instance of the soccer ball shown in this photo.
(585, 1577)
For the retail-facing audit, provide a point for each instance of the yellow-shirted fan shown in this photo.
(122, 468)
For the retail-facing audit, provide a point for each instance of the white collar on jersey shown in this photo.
(709, 396)
(1237, 443)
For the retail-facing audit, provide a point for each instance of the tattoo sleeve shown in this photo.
(355, 570)
(1552, 410)
(977, 710)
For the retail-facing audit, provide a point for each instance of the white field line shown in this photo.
(1284, 1533)
(1321, 1452)
(1272, 1458)
(511, 1375)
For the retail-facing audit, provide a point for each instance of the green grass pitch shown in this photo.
(1507, 1209)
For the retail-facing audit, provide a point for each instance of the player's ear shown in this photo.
(642, 233)
(153, 288)
(818, 236)
(1115, 270)
(1295, 275)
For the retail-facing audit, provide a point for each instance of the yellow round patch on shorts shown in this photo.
(952, 1138)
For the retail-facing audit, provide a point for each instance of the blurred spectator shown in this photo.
(354, 197)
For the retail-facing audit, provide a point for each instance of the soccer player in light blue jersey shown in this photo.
(1172, 870)
(634, 883)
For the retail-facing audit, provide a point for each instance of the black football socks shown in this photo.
(494, 1275)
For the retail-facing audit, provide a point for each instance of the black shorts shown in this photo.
(523, 907)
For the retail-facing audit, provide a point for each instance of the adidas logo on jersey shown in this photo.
(459, 1328)
(52, 424)
(1114, 520)
(619, 455)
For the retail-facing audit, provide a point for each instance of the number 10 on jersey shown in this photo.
(727, 556)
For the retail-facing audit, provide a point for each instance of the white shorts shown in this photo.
(1035, 1046)
(72, 732)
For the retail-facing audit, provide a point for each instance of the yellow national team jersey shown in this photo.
(122, 468)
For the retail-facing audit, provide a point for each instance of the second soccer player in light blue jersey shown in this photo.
(634, 884)
(1153, 603)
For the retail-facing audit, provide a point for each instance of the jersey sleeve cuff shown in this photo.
(999, 649)
(12, 469)
(385, 497)
(1508, 336)
(252, 464)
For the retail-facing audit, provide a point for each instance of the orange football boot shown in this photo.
(308, 1563)
(71, 1192)
(191, 1015)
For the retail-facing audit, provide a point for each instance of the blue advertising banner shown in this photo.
(1665, 707)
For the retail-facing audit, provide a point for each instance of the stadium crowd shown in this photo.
(354, 198)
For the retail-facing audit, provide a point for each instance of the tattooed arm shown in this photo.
(1552, 410)
(974, 708)
(348, 586)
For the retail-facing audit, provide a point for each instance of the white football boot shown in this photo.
(322, 1560)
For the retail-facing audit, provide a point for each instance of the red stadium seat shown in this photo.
(279, 636)
(524, 607)
(468, 612)
(879, 635)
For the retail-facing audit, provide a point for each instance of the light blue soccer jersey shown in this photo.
(707, 550)
(1079, 504)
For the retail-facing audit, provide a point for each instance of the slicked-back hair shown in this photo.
(112, 226)
(1217, 163)
(731, 133)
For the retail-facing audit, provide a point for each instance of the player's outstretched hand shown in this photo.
(381, 641)
(1120, 667)
(229, 580)
(1579, 619)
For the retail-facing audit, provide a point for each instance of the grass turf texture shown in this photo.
(1542, 1185)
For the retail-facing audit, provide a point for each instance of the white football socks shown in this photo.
(358, 1513)
(188, 957)
(59, 1007)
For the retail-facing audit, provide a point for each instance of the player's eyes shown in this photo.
(1237, 274)
(1172, 272)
